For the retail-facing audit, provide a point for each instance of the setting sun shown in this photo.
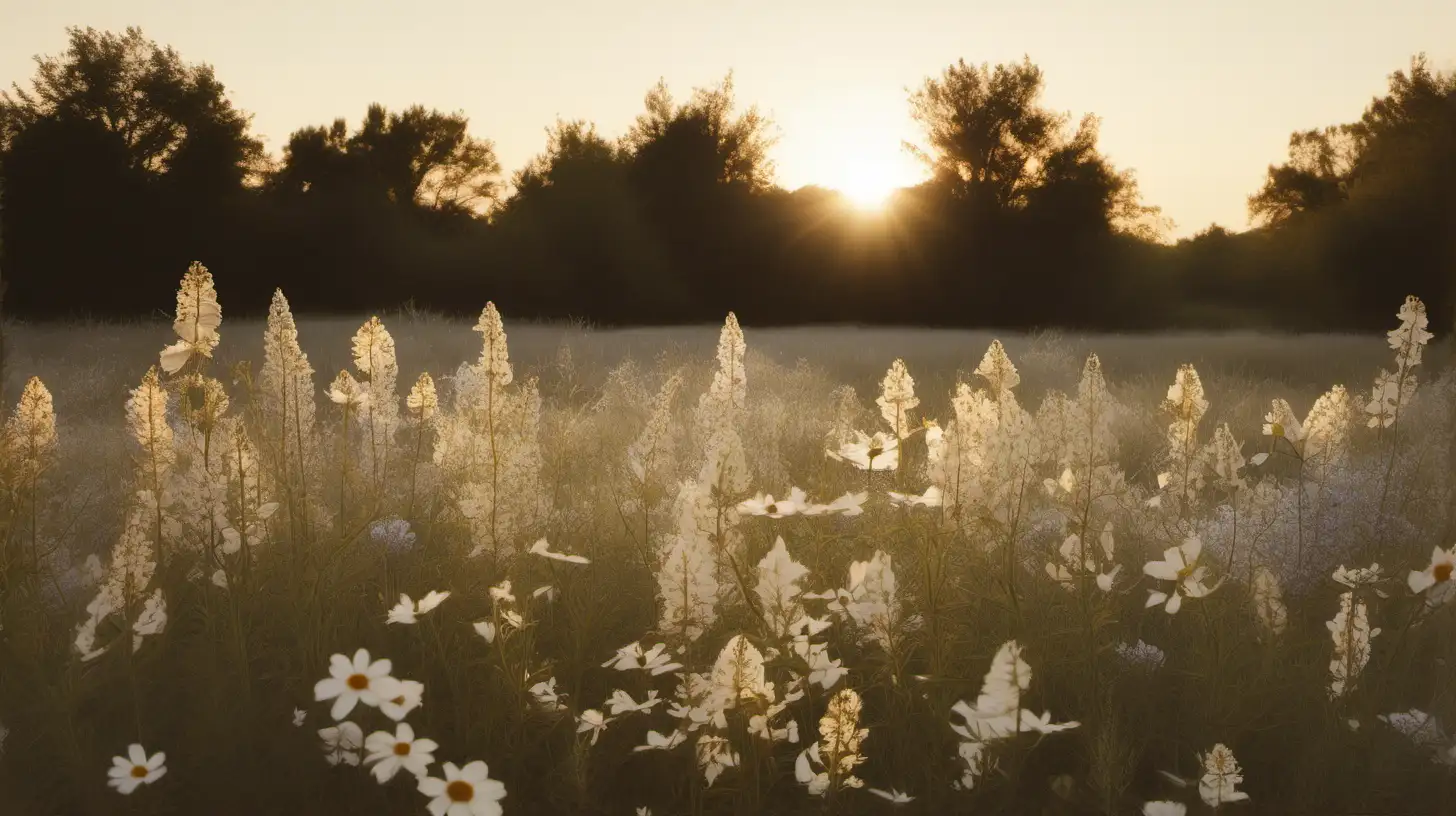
(864, 162)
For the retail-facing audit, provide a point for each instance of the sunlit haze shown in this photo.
(1197, 101)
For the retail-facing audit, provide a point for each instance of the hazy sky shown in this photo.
(1197, 97)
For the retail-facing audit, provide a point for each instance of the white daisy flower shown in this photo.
(486, 629)
(1164, 809)
(389, 753)
(407, 611)
(1435, 580)
(621, 702)
(766, 505)
(404, 696)
(356, 681)
(878, 452)
(467, 791)
(892, 796)
(1179, 564)
(136, 769)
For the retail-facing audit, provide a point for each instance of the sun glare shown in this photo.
(864, 164)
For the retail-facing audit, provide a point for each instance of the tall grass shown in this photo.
(626, 576)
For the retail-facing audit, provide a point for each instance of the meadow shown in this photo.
(721, 569)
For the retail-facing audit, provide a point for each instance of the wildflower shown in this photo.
(151, 621)
(892, 796)
(540, 548)
(1436, 578)
(998, 712)
(878, 452)
(765, 505)
(594, 721)
(356, 681)
(976, 763)
(848, 504)
(660, 742)
(546, 695)
(738, 673)
(348, 392)
(727, 396)
(1179, 564)
(1351, 632)
(838, 750)
(1269, 602)
(621, 702)
(467, 791)
(897, 397)
(486, 629)
(389, 753)
(394, 533)
(423, 403)
(655, 661)
(1281, 422)
(342, 743)
(136, 769)
(406, 696)
(29, 436)
(501, 593)
(1418, 726)
(1079, 560)
(715, 755)
(688, 586)
(932, 497)
(872, 600)
(1221, 776)
(406, 610)
(1360, 578)
(1164, 808)
(298, 717)
(197, 321)
(548, 592)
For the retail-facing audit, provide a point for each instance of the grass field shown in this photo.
(1173, 597)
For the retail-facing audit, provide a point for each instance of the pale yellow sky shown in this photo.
(1197, 97)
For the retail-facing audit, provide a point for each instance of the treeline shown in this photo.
(121, 163)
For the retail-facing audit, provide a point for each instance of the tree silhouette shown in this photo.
(987, 136)
(417, 158)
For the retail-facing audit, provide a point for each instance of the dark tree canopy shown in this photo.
(121, 163)
(418, 157)
(170, 118)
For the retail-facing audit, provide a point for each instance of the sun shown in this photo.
(865, 164)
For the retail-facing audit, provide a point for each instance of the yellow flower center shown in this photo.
(874, 451)
(771, 508)
(1442, 572)
(139, 771)
(401, 749)
(398, 700)
(358, 682)
(460, 791)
